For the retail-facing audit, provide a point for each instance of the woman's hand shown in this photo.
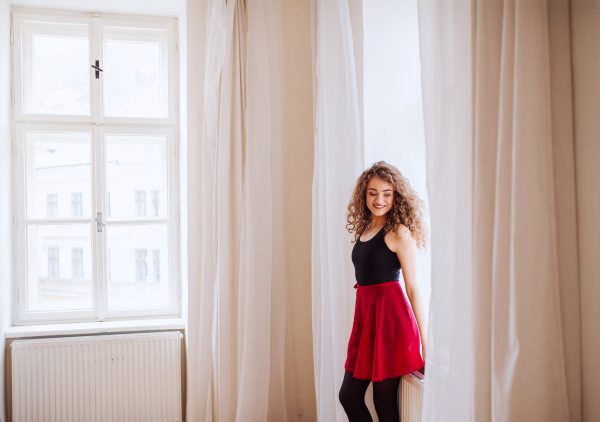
(423, 349)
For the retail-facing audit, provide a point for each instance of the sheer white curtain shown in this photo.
(505, 328)
(242, 298)
(445, 40)
(338, 163)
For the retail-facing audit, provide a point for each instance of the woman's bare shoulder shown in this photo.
(402, 233)
(399, 237)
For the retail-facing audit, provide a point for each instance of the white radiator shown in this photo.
(126, 377)
(411, 402)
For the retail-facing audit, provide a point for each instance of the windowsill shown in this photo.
(84, 328)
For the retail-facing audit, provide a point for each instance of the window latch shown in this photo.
(98, 70)
(99, 223)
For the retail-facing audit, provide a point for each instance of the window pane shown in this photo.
(155, 203)
(51, 205)
(59, 275)
(140, 203)
(135, 72)
(76, 208)
(156, 266)
(136, 177)
(76, 263)
(56, 68)
(139, 278)
(58, 175)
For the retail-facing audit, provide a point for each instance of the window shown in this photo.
(52, 206)
(140, 203)
(108, 265)
(108, 213)
(76, 206)
(53, 263)
(77, 263)
(95, 123)
(156, 266)
(155, 203)
(141, 267)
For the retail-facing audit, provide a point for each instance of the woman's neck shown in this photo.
(378, 221)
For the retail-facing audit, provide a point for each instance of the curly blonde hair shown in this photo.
(407, 209)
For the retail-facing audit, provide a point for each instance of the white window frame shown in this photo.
(99, 127)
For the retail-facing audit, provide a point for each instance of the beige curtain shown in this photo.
(526, 283)
(239, 315)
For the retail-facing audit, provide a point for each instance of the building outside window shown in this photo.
(51, 205)
(140, 203)
(155, 203)
(108, 204)
(77, 263)
(76, 205)
(156, 266)
(108, 265)
(53, 271)
(141, 267)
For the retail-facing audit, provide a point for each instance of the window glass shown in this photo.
(156, 266)
(141, 266)
(77, 263)
(135, 72)
(136, 165)
(51, 205)
(58, 167)
(132, 285)
(155, 203)
(53, 262)
(76, 206)
(56, 74)
(140, 203)
(54, 283)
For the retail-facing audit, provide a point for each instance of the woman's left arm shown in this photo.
(406, 249)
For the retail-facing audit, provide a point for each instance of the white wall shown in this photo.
(5, 190)
(393, 110)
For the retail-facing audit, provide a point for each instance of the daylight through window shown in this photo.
(97, 173)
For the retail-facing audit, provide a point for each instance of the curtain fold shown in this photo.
(497, 89)
(242, 300)
(338, 163)
(445, 43)
(526, 296)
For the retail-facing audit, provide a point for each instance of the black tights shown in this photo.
(385, 398)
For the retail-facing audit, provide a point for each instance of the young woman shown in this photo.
(386, 216)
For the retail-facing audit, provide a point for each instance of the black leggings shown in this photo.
(385, 398)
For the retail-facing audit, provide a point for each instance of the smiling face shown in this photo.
(380, 196)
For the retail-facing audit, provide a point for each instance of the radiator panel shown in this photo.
(128, 377)
(411, 407)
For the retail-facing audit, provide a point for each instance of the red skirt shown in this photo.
(385, 340)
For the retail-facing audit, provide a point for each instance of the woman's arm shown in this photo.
(406, 249)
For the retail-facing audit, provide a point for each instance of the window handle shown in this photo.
(99, 223)
(98, 70)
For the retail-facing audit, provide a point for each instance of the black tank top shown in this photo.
(374, 262)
